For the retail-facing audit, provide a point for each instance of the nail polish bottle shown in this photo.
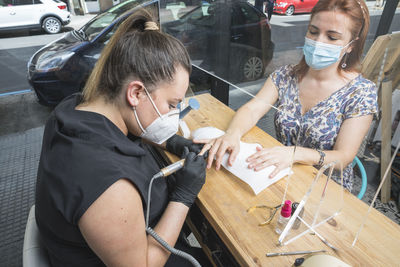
(296, 223)
(284, 217)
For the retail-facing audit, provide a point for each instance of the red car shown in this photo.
(289, 7)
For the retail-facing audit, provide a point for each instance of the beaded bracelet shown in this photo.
(321, 158)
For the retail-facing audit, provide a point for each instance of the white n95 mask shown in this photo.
(161, 128)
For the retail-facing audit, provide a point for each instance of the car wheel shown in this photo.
(251, 68)
(289, 11)
(51, 25)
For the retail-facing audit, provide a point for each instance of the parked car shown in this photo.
(249, 42)
(62, 67)
(290, 7)
(50, 15)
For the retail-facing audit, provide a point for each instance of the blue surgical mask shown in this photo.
(320, 55)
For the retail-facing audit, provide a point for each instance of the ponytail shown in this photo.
(137, 50)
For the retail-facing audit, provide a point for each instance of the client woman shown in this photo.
(326, 105)
(94, 176)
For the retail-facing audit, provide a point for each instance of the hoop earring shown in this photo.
(344, 65)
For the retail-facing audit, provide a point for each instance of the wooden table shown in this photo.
(224, 201)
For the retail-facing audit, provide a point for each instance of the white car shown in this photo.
(50, 15)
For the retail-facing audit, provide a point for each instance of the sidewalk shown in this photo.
(42, 38)
(78, 21)
(374, 10)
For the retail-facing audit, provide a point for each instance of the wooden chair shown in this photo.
(382, 66)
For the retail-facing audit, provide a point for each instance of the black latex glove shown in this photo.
(177, 143)
(190, 179)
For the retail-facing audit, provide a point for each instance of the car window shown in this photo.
(105, 38)
(37, 2)
(237, 17)
(198, 14)
(249, 14)
(204, 15)
(23, 2)
(94, 27)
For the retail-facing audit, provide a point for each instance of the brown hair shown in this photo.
(135, 51)
(359, 15)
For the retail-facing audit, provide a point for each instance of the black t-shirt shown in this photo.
(83, 153)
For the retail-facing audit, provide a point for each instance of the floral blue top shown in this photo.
(318, 127)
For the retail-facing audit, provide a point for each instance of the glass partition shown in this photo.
(234, 47)
(230, 39)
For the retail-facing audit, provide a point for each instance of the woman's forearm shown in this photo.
(242, 122)
(250, 113)
(311, 156)
(248, 116)
(168, 228)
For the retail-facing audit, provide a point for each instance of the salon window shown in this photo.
(235, 42)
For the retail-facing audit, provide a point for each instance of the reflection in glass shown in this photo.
(90, 30)
(230, 39)
(364, 219)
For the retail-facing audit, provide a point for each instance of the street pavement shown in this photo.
(22, 39)
(287, 34)
(19, 109)
(16, 49)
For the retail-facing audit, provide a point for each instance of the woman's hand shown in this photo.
(190, 179)
(176, 144)
(279, 156)
(229, 142)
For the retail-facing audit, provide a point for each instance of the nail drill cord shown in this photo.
(151, 232)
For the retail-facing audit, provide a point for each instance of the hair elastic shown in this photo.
(150, 26)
